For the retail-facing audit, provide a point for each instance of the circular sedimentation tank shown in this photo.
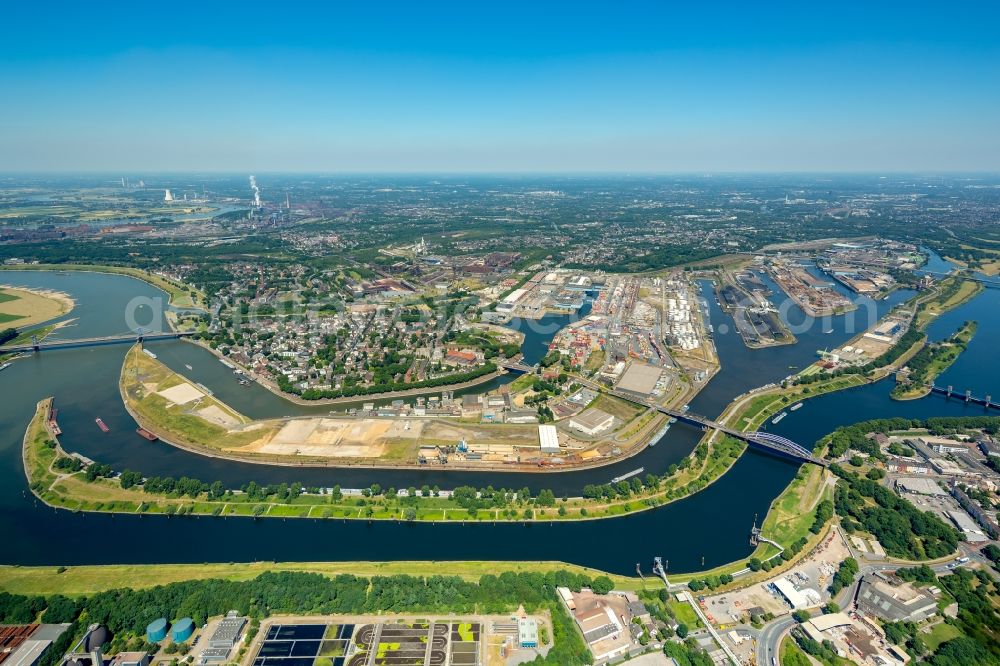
(182, 629)
(156, 630)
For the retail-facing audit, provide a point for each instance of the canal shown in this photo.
(711, 526)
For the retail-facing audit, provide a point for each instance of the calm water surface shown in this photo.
(712, 524)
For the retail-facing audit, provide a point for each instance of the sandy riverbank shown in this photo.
(26, 306)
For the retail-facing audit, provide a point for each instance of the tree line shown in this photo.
(126, 612)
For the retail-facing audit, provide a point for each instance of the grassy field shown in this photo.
(790, 654)
(181, 295)
(939, 633)
(594, 362)
(620, 409)
(793, 512)
(89, 579)
(684, 614)
(937, 306)
(23, 307)
(941, 357)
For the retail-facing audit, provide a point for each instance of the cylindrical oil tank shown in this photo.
(156, 630)
(182, 629)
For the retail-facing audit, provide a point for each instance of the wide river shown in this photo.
(707, 529)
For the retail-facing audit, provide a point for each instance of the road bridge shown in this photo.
(37, 346)
(761, 440)
(517, 366)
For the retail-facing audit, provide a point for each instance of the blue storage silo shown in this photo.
(183, 628)
(156, 630)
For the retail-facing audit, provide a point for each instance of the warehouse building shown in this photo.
(23, 645)
(919, 487)
(592, 422)
(548, 438)
(228, 631)
(795, 597)
(640, 379)
(527, 632)
(895, 603)
(225, 636)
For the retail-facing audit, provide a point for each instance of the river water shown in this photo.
(709, 528)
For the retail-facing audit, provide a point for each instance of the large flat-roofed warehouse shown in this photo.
(795, 597)
(895, 603)
(548, 438)
(23, 645)
(223, 639)
(507, 304)
(640, 379)
(919, 486)
(592, 422)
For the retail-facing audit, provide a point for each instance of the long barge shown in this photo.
(623, 477)
(146, 434)
(101, 425)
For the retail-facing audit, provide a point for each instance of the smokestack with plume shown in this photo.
(256, 191)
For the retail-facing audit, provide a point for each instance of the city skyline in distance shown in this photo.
(654, 89)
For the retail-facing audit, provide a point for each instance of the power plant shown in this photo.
(256, 192)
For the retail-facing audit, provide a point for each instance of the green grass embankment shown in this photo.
(181, 295)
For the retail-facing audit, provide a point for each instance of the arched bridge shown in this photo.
(762, 440)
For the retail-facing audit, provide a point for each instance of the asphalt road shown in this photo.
(771, 635)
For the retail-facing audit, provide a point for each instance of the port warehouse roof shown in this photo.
(513, 296)
(920, 486)
(829, 621)
(22, 645)
(796, 598)
(548, 438)
(592, 419)
(640, 378)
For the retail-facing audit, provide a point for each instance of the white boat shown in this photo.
(188, 366)
(797, 406)
(778, 418)
(4, 366)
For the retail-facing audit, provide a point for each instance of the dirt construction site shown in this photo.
(377, 438)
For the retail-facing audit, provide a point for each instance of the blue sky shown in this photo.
(625, 87)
